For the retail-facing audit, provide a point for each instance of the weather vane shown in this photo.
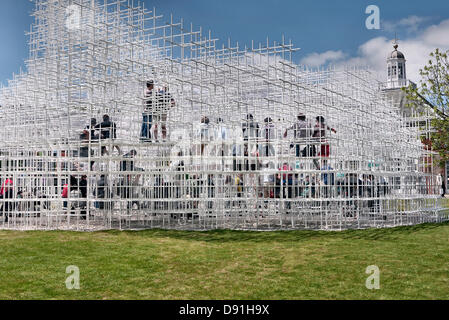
(396, 41)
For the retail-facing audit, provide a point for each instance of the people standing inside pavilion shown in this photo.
(308, 187)
(302, 130)
(127, 166)
(284, 184)
(7, 186)
(251, 137)
(79, 185)
(102, 194)
(237, 148)
(91, 129)
(221, 138)
(67, 189)
(177, 165)
(239, 184)
(88, 134)
(83, 193)
(251, 131)
(7, 192)
(147, 122)
(319, 138)
(164, 103)
(84, 138)
(221, 132)
(205, 134)
(221, 152)
(65, 195)
(328, 179)
(268, 137)
(108, 131)
(267, 179)
(87, 137)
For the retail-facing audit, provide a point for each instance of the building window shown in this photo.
(401, 71)
(394, 73)
(389, 71)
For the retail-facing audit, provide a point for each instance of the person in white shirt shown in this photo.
(267, 179)
(302, 132)
(205, 133)
(251, 134)
(222, 136)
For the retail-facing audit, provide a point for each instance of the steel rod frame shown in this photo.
(234, 156)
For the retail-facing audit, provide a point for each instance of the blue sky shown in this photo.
(327, 31)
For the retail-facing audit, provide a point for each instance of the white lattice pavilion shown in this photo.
(91, 58)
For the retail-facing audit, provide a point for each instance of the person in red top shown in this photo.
(287, 178)
(6, 187)
(65, 194)
(319, 133)
(6, 192)
(65, 191)
(67, 188)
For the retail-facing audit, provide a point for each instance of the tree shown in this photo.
(433, 91)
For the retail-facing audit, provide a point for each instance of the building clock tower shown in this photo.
(397, 73)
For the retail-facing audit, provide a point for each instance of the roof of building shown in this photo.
(396, 54)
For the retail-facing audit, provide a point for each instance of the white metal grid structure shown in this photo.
(199, 136)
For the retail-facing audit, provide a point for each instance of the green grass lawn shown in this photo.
(414, 264)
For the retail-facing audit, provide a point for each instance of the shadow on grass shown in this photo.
(223, 236)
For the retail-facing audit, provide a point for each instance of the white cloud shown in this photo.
(409, 24)
(319, 59)
(437, 35)
(416, 49)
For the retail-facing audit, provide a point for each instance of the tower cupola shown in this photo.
(397, 74)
